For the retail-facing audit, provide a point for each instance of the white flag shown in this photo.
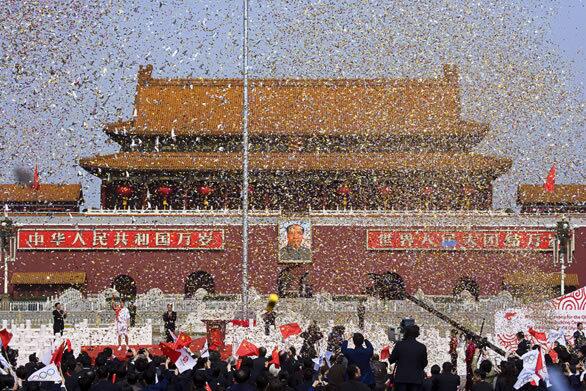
(48, 373)
(205, 352)
(185, 361)
(4, 363)
(533, 370)
(557, 336)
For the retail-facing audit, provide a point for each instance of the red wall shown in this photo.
(340, 264)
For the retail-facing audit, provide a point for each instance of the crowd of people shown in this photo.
(351, 365)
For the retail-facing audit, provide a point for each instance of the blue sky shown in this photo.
(68, 67)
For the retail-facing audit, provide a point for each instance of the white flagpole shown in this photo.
(245, 159)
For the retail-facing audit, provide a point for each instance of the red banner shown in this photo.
(121, 239)
(538, 240)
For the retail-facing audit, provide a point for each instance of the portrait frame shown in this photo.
(304, 249)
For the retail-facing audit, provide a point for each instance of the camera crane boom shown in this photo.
(390, 287)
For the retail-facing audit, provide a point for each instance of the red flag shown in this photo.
(385, 353)
(554, 356)
(68, 345)
(182, 341)
(5, 336)
(168, 349)
(58, 354)
(275, 360)
(208, 388)
(36, 183)
(550, 180)
(537, 335)
(197, 344)
(289, 329)
(246, 349)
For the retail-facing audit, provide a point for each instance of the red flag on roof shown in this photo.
(36, 183)
(385, 353)
(246, 348)
(289, 329)
(58, 354)
(550, 180)
(275, 360)
(182, 341)
(5, 336)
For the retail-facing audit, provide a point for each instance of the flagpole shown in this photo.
(245, 159)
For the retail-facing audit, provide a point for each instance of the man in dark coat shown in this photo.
(169, 319)
(360, 356)
(579, 337)
(353, 383)
(523, 346)
(410, 356)
(258, 365)
(447, 380)
(59, 316)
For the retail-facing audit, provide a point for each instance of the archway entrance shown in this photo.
(197, 280)
(387, 286)
(467, 284)
(125, 285)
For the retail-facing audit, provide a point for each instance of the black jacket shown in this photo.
(523, 347)
(353, 385)
(446, 382)
(482, 386)
(411, 358)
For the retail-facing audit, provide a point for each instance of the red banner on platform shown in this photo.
(387, 239)
(120, 239)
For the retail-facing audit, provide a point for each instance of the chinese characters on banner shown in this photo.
(120, 239)
(389, 239)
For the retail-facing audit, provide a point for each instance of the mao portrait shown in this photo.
(295, 241)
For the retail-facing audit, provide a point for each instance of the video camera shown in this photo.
(396, 334)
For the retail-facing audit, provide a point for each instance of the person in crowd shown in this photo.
(523, 345)
(59, 316)
(354, 382)
(429, 381)
(380, 372)
(410, 357)
(259, 365)
(480, 381)
(360, 356)
(335, 339)
(122, 319)
(469, 356)
(447, 380)
(507, 378)
(169, 319)
(337, 373)
(579, 337)
(453, 351)
(310, 337)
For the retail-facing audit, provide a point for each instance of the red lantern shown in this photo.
(468, 190)
(427, 190)
(125, 192)
(205, 191)
(165, 191)
(386, 190)
(344, 190)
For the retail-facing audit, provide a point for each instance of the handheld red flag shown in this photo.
(289, 329)
(182, 341)
(58, 354)
(541, 337)
(275, 360)
(5, 336)
(550, 180)
(246, 349)
(168, 349)
(36, 183)
(385, 353)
